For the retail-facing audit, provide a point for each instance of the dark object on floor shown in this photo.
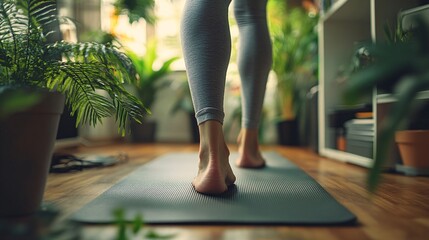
(287, 132)
(161, 190)
(63, 163)
(144, 132)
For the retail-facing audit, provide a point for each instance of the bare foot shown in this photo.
(248, 148)
(214, 173)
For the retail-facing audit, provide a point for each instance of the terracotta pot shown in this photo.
(414, 147)
(26, 143)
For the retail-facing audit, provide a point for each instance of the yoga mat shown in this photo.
(161, 190)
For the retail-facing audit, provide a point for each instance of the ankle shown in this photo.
(212, 142)
(248, 139)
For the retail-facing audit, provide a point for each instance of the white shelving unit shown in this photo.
(349, 22)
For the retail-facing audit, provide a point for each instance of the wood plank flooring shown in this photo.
(399, 210)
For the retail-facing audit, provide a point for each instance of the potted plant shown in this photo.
(147, 84)
(49, 75)
(294, 39)
(183, 102)
(401, 69)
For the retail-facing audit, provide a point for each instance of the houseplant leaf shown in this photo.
(399, 68)
(82, 71)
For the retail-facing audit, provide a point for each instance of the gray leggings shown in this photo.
(206, 44)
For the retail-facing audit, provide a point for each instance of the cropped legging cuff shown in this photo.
(209, 113)
(250, 123)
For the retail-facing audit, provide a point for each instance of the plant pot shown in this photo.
(26, 143)
(287, 133)
(413, 147)
(144, 132)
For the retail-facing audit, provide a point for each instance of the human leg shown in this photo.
(206, 46)
(254, 64)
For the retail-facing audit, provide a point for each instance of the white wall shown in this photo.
(171, 128)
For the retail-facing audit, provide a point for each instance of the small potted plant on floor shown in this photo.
(149, 81)
(36, 79)
(294, 40)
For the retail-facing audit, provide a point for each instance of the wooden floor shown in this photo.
(399, 210)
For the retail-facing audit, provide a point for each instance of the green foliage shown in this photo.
(294, 39)
(399, 68)
(100, 36)
(129, 230)
(136, 9)
(148, 77)
(81, 71)
(398, 34)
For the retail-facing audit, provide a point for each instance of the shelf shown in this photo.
(340, 28)
(347, 157)
(348, 10)
(389, 98)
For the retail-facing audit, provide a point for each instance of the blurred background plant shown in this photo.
(100, 36)
(136, 9)
(150, 78)
(295, 58)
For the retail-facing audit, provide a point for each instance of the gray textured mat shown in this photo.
(280, 193)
